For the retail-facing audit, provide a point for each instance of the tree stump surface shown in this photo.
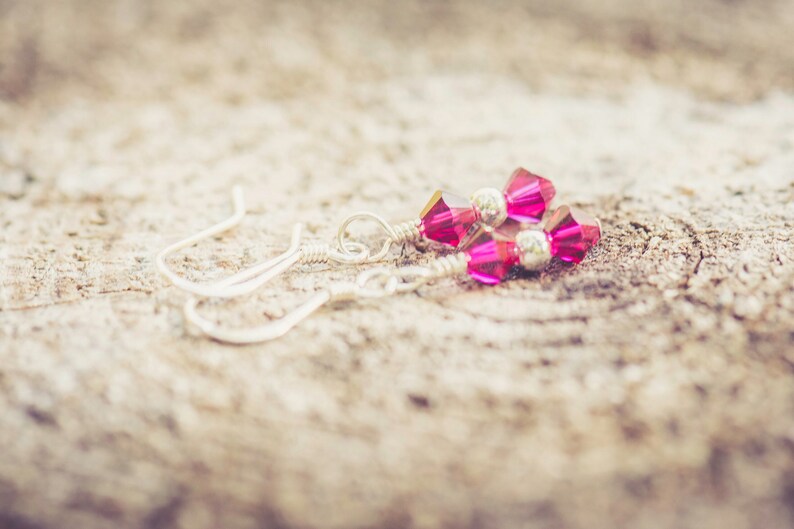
(649, 387)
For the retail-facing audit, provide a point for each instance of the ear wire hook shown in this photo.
(262, 333)
(215, 289)
(374, 283)
(249, 279)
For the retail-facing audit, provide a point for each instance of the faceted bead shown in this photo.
(490, 255)
(528, 196)
(447, 218)
(571, 233)
(511, 227)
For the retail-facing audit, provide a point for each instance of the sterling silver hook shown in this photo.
(262, 333)
(370, 284)
(221, 227)
(249, 279)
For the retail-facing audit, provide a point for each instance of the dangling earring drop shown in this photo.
(448, 218)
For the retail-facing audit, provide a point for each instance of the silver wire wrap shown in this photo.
(450, 265)
(315, 253)
(395, 233)
(407, 231)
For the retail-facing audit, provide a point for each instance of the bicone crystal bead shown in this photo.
(571, 233)
(528, 196)
(490, 255)
(447, 218)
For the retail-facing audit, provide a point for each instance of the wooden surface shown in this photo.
(650, 387)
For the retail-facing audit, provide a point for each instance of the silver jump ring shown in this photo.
(355, 252)
(388, 283)
(395, 234)
(411, 278)
(402, 280)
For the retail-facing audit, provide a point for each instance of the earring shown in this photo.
(488, 256)
(448, 219)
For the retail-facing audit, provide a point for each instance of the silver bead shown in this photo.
(533, 249)
(491, 206)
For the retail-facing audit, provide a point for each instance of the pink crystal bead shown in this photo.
(528, 196)
(447, 218)
(490, 255)
(571, 233)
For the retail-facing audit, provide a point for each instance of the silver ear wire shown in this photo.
(249, 279)
(370, 284)
(221, 227)
(262, 333)
(223, 288)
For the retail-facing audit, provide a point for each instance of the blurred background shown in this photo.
(733, 50)
(650, 388)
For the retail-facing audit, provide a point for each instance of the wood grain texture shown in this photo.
(650, 387)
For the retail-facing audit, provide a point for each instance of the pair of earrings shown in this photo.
(493, 232)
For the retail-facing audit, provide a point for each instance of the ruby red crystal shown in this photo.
(571, 233)
(490, 254)
(528, 196)
(447, 218)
